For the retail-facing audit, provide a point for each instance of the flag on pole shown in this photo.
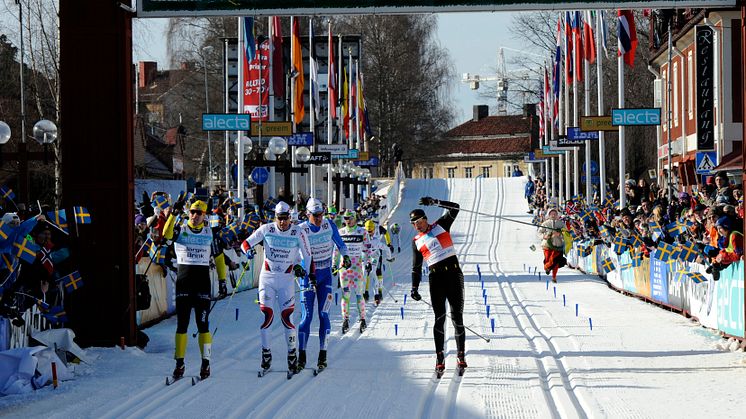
(25, 249)
(82, 216)
(590, 38)
(568, 49)
(313, 69)
(547, 101)
(345, 105)
(59, 218)
(577, 40)
(299, 108)
(55, 315)
(556, 77)
(665, 252)
(332, 77)
(72, 281)
(278, 68)
(627, 36)
(540, 111)
(362, 108)
(604, 33)
(6, 193)
(249, 39)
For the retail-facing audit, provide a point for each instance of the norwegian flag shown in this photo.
(45, 257)
(627, 36)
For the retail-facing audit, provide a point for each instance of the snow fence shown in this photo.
(715, 304)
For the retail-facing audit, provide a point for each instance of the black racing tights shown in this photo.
(448, 286)
(193, 291)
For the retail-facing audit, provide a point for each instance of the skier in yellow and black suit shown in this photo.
(193, 246)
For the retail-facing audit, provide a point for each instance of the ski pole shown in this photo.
(465, 326)
(238, 284)
(495, 216)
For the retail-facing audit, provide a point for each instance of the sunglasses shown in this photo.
(317, 215)
(198, 212)
(283, 218)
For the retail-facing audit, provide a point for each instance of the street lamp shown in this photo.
(4, 132)
(207, 110)
(302, 156)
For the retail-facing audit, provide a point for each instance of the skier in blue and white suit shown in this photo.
(322, 235)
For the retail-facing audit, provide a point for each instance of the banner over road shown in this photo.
(168, 8)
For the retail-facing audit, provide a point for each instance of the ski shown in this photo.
(290, 374)
(317, 371)
(171, 380)
(461, 371)
(439, 373)
(261, 373)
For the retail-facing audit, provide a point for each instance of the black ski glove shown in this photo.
(415, 295)
(299, 271)
(368, 267)
(312, 279)
(222, 289)
(346, 262)
(426, 200)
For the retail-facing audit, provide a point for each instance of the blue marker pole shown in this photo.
(492, 323)
(484, 292)
(479, 273)
(336, 299)
(485, 300)
(590, 322)
(576, 310)
(236, 313)
(524, 266)
(488, 312)
(555, 292)
(402, 313)
(405, 299)
(564, 300)
(547, 285)
(396, 329)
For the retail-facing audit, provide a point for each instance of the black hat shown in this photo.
(416, 214)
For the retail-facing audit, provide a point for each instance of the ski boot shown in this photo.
(266, 359)
(301, 359)
(322, 359)
(179, 370)
(292, 363)
(204, 371)
(366, 296)
(440, 364)
(377, 299)
(363, 325)
(345, 325)
(461, 362)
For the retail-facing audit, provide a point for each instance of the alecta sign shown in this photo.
(639, 116)
(161, 8)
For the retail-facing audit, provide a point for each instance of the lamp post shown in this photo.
(207, 110)
(302, 156)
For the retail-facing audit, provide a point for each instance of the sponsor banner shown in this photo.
(256, 82)
(272, 129)
(658, 281)
(636, 117)
(319, 158)
(704, 40)
(597, 123)
(226, 122)
(576, 134)
(300, 139)
(730, 300)
(333, 149)
(701, 299)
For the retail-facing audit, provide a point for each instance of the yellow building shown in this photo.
(487, 146)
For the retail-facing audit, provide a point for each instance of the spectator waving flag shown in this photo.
(627, 36)
(59, 218)
(6, 193)
(160, 201)
(25, 249)
(665, 252)
(688, 251)
(637, 259)
(82, 215)
(72, 281)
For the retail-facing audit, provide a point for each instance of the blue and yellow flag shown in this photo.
(636, 259)
(607, 265)
(72, 281)
(619, 244)
(158, 254)
(160, 201)
(214, 220)
(696, 277)
(6, 193)
(55, 315)
(688, 251)
(634, 240)
(8, 262)
(665, 252)
(59, 218)
(25, 249)
(82, 215)
(5, 230)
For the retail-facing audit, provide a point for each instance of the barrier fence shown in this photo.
(715, 304)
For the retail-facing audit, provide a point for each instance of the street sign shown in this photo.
(320, 158)
(334, 149)
(706, 162)
(371, 162)
(260, 175)
(597, 123)
(568, 142)
(272, 129)
(299, 139)
(226, 122)
(636, 116)
(574, 133)
(548, 150)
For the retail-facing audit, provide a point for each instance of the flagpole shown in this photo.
(271, 25)
(329, 124)
(599, 82)
(311, 108)
(566, 192)
(586, 112)
(349, 110)
(576, 64)
(548, 127)
(241, 87)
(561, 118)
(340, 118)
(226, 135)
(293, 177)
(622, 169)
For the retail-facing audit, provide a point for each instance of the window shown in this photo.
(430, 173)
(486, 171)
(467, 172)
(424, 172)
(451, 172)
(675, 106)
(507, 170)
(690, 85)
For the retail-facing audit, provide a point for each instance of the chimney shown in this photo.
(147, 71)
(529, 109)
(481, 112)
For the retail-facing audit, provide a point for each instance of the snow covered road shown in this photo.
(542, 360)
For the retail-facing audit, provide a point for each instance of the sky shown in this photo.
(473, 51)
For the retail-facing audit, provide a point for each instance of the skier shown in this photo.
(192, 242)
(553, 243)
(283, 242)
(433, 244)
(351, 278)
(323, 237)
(376, 249)
(394, 231)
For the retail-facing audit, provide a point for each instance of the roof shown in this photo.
(731, 162)
(487, 148)
(492, 126)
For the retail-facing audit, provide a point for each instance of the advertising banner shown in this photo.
(658, 280)
(256, 85)
(730, 300)
(701, 299)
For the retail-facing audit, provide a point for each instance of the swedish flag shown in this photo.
(59, 218)
(619, 244)
(25, 249)
(688, 251)
(214, 220)
(637, 258)
(72, 281)
(56, 314)
(656, 229)
(696, 277)
(607, 265)
(6, 193)
(82, 215)
(158, 254)
(634, 240)
(675, 228)
(665, 252)
(160, 201)
(5, 230)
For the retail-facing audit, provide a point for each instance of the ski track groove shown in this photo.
(554, 399)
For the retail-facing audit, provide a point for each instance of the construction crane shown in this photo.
(502, 79)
